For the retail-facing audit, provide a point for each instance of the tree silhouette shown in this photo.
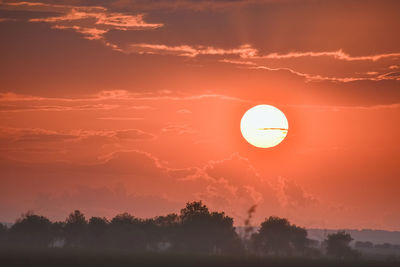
(299, 238)
(58, 230)
(3, 235)
(31, 231)
(97, 232)
(166, 230)
(75, 229)
(205, 232)
(126, 232)
(277, 236)
(338, 245)
(195, 230)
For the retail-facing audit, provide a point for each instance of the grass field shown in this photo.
(63, 257)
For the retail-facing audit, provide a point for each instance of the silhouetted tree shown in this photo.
(204, 232)
(167, 228)
(58, 229)
(97, 232)
(277, 236)
(338, 245)
(126, 232)
(298, 238)
(75, 229)
(31, 231)
(3, 235)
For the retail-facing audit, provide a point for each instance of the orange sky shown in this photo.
(135, 106)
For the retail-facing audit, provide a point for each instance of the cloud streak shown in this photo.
(315, 77)
(29, 135)
(114, 95)
(339, 55)
(30, 108)
(243, 51)
(93, 22)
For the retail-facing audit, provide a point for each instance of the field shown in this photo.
(87, 258)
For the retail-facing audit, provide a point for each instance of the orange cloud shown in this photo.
(243, 51)
(92, 22)
(293, 195)
(29, 108)
(314, 77)
(178, 128)
(339, 54)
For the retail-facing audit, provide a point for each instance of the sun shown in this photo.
(264, 126)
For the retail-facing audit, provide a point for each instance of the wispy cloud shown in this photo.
(313, 77)
(30, 135)
(184, 111)
(244, 51)
(178, 128)
(250, 58)
(122, 95)
(26, 108)
(339, 54)
(292, 195)
(370, 76)
(120, 118)
(93, 22)
(6, 19)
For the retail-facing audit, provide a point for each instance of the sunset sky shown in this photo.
(131, 105)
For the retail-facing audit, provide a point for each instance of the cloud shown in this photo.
(244, 172)
(37, 135)
(133, 134)
(394, 74)
(234, 185)
(6, 19)
(122, 95)
(231, 184)
(312, 77)
(29, 108)
(188, 4)
(243, 51)
(178, 128)
(103, 201)
(26, 135)
(120, 118)
(293, 195)
(93, 22)
(183, 111)
(339, 55)
(89, 33)
(337, 108)
(140, 107)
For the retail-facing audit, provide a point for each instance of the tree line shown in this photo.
(194, 230)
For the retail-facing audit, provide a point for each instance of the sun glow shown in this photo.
(264, 126)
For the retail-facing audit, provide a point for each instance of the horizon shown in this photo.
(8, 223)
(137, 106)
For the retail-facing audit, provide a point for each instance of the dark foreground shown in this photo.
(63, 257)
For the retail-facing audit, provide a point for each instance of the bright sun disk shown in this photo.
(264, 126)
